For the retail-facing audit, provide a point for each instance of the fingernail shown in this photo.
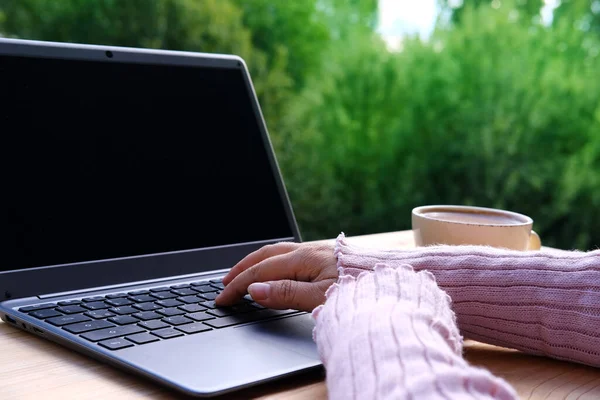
(259, 291)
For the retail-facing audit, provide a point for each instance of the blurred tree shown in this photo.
(582, 14)
(348, 18)
(338, 155)
(99, 22)
(457, 7)
(291, 28)
(491, 112)
(304, 30)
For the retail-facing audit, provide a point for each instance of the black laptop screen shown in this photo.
(104, 160)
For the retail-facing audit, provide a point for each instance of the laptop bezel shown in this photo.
(88, 275)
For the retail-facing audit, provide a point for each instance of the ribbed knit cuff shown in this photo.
(390, 333)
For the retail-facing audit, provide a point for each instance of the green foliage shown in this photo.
(349, 17)
(530, 8)
(296, 29)
(581, 14)
(336, 137)
(494, 112)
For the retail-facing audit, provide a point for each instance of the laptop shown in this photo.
(132, 181)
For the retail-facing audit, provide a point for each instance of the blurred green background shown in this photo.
(496, 108)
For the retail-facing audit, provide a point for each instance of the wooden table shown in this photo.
(34, 368)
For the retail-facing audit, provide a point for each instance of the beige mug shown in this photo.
(466, 225)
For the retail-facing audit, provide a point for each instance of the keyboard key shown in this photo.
(205, 289)
(183, 292)
(119, 302)
(147, 315)
(208, 296)
(92, 299)
(96, 305)
(160, 289)
(169, 312)
(247, 317)
(181, 286)
(116, 295)
(138, 292)
(124, 310)
(167, 333)
(124, 320)
(72, 309)
(67, 319)
(222, 312)
(141, 338)
(199, 283)
(110, 333)
(164, 295)
(99, 314)
(37, 307)
(242, 307)
(69, 302)
(193, 328)
(209, 304)
(219, 285)
(177, 320)
(227, 321)
(256, 305)
(218, 280)
(190, 299)
(169, 303)
(200, 316)
(248, 298)
(47, 313)
(153, 324)
(115, 344)
(192, 308)
(87, 326)
(147, 306)
(142, 298)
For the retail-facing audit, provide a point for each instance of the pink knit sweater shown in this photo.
(388, 331)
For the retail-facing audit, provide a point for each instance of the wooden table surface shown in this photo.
(35, 368)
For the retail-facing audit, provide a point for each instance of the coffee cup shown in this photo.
(466, 225)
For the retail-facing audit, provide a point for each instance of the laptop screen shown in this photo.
(102, 160)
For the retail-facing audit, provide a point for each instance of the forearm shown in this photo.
(391, 334)
(545, 302)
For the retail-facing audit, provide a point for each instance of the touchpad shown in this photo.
(292, 333)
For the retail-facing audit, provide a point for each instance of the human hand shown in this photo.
(283, 275)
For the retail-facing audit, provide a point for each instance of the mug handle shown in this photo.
(535, 243)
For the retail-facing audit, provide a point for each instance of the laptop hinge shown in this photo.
(134, 284)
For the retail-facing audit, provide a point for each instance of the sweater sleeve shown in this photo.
(541, 302)
(390, 333)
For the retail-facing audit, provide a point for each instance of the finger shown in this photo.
(258, 256)
(284, 294)
(273, 268)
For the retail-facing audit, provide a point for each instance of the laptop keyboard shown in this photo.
(126, 319)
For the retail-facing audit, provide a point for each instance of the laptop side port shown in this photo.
(10, 319)
(38, 331)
